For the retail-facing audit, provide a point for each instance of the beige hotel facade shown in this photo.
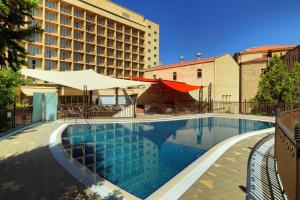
(93, 34)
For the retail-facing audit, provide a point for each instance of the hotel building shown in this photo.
(93, 34)
(221, 72)
(253, 62)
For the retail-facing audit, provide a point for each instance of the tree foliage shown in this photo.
(277, 84)
(9, 82)
(15, 29)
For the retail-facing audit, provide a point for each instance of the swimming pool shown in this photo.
(141, 157)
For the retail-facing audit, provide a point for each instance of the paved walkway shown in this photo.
(28, 170)
(226, 179)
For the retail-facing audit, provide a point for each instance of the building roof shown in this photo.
(181, 64)
(263, 49)
(256, 60)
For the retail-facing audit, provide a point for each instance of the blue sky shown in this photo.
(214, 27)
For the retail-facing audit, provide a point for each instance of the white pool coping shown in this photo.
(172, 189)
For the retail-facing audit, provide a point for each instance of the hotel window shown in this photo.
(199, 73)
(78, 13)
(100, 50)
(65, 31)
(155, 40)
(36, 38)
(155, 55)
(34, 50)
(90, 38)
(90, 27)
(50, 40)
(90, 58)
(78, 35)
(65, 20)
(64, 66)
(174, 76)
(77, 67)
(78, 46)
(33, 63)
(78, 24)
(50, 53)
(65, 43)
(50, 28)
(64, 55)
(90, 48)
(154, 76)
(65, 9)
(78, 57)
(155, 48)
(90, 17)
(51, 4)
(50, 16)
(49, 65)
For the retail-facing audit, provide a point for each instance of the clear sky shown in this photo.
(215, 27)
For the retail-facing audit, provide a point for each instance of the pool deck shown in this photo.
(29, 171)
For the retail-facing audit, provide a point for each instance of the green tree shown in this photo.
(9, 82)
(15, 29)
(276, 85)
(296, 83)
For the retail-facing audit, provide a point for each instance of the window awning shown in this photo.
(79, 79)
(178, 86)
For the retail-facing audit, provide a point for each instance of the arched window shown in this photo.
(174, 76)
(199, 73)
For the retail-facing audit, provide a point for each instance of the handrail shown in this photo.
(287, 130)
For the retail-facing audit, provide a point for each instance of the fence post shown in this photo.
(297, 138)
(245, 106)
(15, 108)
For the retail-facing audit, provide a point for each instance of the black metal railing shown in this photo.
(15, 117)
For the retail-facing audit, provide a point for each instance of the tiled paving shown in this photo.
(227, 178)
(28, 170)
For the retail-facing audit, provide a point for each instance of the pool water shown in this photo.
(141, 157)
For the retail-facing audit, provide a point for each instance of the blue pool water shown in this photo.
(141, 157)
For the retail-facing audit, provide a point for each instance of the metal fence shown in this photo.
(287, 151)
(15, 117)
(247, 108)
(88, 111)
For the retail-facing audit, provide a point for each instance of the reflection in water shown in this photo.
(140, 157)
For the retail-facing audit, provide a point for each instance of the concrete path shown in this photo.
(28, 170)
(227, 178)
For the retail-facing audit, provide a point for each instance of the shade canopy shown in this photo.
(175, 85)
(80, 79)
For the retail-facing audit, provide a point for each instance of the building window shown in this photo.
(64, 55)
(90, 17)
(65, 20)
(90, 38)
(50, 40)
(78, 35)
(155, 63)
(149, 26)
(50, 16)
(155, 32)
(50, 65)
(90, 27)
(36, 38)
(78, 13)
(65, 9)
(78, 24)
(65, 43)
(77, 67)
(51, 4)
(174, 76)
(78, 57)
(64, 66)
(78, 46)
(50, 53)
(65, 32)
(155, 48)
(154, 76)
(155, 55)
(33, 64)
(90, 48)
(50, 28)
(149, 34)
(199, 73)
(155, 40)
(90, 58)
(34, 50)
